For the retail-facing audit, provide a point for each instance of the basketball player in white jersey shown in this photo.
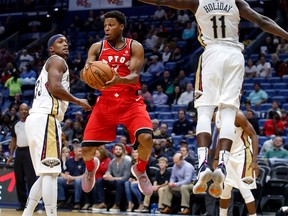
(43, 128)
(242, 167)
(220, 73)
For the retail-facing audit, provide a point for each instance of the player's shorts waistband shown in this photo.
(120, 94)
(23, 148)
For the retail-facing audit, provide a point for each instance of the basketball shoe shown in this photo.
(144, 183)
(88, 179)
(204, 176)
(218, 178)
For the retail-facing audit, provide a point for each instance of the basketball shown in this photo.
(97, 74)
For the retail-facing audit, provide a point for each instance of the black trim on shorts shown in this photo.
(92, 144)
(144, 130)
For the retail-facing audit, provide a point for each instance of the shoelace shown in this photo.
(143, 178)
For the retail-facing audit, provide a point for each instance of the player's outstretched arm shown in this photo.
(265, 23)
(177, 4)
(56, 67)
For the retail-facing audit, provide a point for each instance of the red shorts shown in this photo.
(112, 109)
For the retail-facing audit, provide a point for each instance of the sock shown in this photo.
(253, 214)
(90, 165)
(51, 210)
(223, 157)
(141, 165)
(49, 193)
(202, 155)
(34, 197)
(223, 212)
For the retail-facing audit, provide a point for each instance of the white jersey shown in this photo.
(218, 22)
(44, 102)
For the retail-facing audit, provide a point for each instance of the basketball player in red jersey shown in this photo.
(119, 102)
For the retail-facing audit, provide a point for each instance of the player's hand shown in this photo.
(255, 167)
(114, 80)
(9, 161)
(85, 105)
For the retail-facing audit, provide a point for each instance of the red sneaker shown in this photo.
(88, 179)
(144, 183)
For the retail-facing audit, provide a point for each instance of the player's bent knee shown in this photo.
(247, 196)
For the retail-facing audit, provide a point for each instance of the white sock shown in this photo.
(49, 194)
(253, 214)
(223, 212)
(202, 154)
(34, 197)
(223, 157)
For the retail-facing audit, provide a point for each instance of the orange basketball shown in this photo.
(97, 74)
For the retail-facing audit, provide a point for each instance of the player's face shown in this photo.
(112, 29)
(60, 47)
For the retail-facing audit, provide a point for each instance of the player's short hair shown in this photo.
(119, 16)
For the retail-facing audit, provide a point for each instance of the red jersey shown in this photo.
(118, 58)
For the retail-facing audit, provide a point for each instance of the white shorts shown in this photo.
(235, 171)
(44, 136)
(219, 76)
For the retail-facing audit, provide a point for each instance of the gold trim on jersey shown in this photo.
(198, 79)
(200, 37)
(51, 145)
(247, 169)
(55, 105)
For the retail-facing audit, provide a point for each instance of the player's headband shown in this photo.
(53, 39)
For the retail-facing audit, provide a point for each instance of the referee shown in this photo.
(23, 167)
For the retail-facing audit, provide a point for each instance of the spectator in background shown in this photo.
(184, 151)
(77, 63)
(16, 102)
(7, 73)
(163, 132)
(174, 97)
(131, 187)
(146, 96)
(250, 69)
(269, 47)
(28, 76)
(284, 118)
(180, 181)
(165, 81)
(183, 80)
(275, 107)
(161, 180)
(182, 17)
(277, 150)
(67, 130)
(263, 68)
(13, 115)
(250, 114)
(71, 178)
(157, 151)
(127, 146)
(183, 126)
(77, 23)
(170, 14)
(267, 145)
(177, 56)
(118, 172)
(155, 127)
(189, 33)
(187, 96)
(275, 61)
(156, 67)
(24, 59)
(257, 96)
(166, 55)
(159, 14)
(150, 41)
(283, 68)
(14, 85)
(102, 155)
(80, 119)
(273, 125)
(76, 84)
(282, 47)
(159, 98)
(169, 150)
(78, 130)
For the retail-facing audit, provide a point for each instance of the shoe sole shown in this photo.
(216, 187)
(201, 185)
(87, 191)
(132, 170)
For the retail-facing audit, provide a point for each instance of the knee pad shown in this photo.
(227, 116)
(205, 114)
(247, 195)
